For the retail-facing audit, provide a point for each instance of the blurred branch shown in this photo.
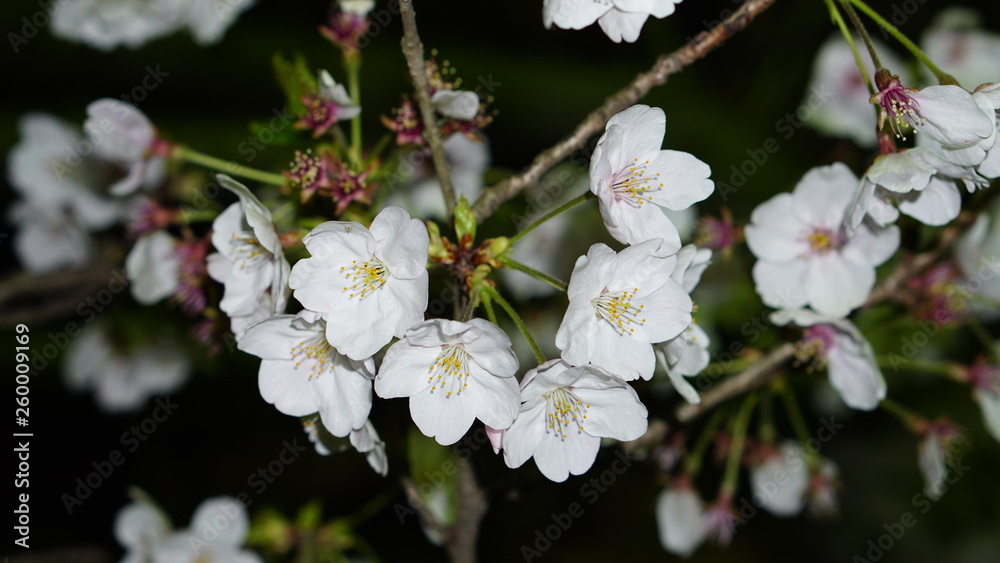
(890, 288)
(472, 505)
(413, 50)
(57, 295)
(666, 65)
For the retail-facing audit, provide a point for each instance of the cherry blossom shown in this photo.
(780, 480)
(218, 529)
(364, 440)
(373, 282)
(564, 413)
(620, 304)
(804, 254)
(153, 267)
(330, 106)
(619, 19)
(453, 372)
(124, 135)
(301, 373)
(935, 453)
(124, 379)
(140, 527)
(681, 519)
(839, 346)
(634, 179)
(985, 380)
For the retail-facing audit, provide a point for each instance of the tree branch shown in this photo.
(464, 533)
(413, 50)
(666, 65)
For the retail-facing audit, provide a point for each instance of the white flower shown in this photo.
(620, 304)
(681, 520)
(837, 98)
(365, 440)
(124, 135)
(453, 373)
(139, 528)
(936, 202)
(565, 411)
(208, 20)
(48, 238)
(47, 168)
(687, 355)
(633, 178)
(985, 380)
(781, 480)
(250, 260)
(106, 24)
(217, 532)
(947, 113)
(357, 7)
(301, 373)
(152, 267)
(848, 357)
(804, 256)
(957, 44)
(457, 104)
(977, 255)
(620, 19)
(370, 284)
(935, 450)
(124, 379)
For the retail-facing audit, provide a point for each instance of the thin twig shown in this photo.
(666, 65)
(413, 50)
(26, 297)
(753, 377)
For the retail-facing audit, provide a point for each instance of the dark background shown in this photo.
(548, 80)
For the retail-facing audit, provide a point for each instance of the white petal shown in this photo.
(681, 521)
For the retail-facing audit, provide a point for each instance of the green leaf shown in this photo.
(296, 80)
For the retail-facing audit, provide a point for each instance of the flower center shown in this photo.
(316, 353)
(617, 309)
(364, 278)
(898, 106)
(564, 409)
(822, 241)
(632, 184)
(247, 250)
(450, 370)
(816, 343)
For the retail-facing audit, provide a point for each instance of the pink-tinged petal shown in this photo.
(613, 413)
(557, 457)
(444, 418)
(854, 373)
(951, 116)
(642, 130)
(497, 399)
(592, 272)
(989, 403)
(872, 245)
(685, 179)
(572, 14)
(405, 370)
(822, 196)
(835, 286)
(776, 232)
(622, 355)
(495, 437)
(903, 171)
(622, 26)
(937, 205)
(401, 242)
(345, 394)
(667, 313)
(287, 387)
(205, 522)
(525, 434)
(681, 521)
(781, 284)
